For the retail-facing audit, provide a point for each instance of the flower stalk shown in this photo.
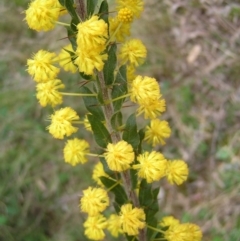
(101, 52)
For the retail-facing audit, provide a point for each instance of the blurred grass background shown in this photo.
(194, 52)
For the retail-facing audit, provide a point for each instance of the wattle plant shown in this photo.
(103, 55)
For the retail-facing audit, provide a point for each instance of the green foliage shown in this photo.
(91, 5)
(103, 11)
(116, 120)
(92, 104)
(148, 200)
(119, 88)
(69, 5)
(101, 134)
(117, 189)
(110, 65)
(130, 133)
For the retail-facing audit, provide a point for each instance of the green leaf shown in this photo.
(110, 65)
(92, 104)
(69, 4)
(91, 4)
(117, 189)
(148, 200)
(119, 88)
(72, 38)
(116, 120)
(130, 134)
(101, 135)
(107, 170)
(103, 11)
(141, 134)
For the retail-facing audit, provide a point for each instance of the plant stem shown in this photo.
(126, 178)
(80, 7)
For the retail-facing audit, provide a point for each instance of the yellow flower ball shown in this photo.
(41, 67)
(48, 94)
(132, 219)
(119, 156)
(114, 225)
(94, 201)
(75, 151)
(177, 172)
(125, 15)
(42, 15)
(157, 131)
(152, 166)
(94, 227)
(61, 123)
(136, 6)
(133, 52)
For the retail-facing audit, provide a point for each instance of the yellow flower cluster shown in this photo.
(42, 15)
(91, 41)
(177, 231)
(146, 92)
(61, 122)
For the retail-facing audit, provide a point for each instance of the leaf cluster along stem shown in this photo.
(126, 178)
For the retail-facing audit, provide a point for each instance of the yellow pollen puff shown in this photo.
(169, 221)
(157, 132)
(132, 219)
(152, 166)
(61, 123)
(177, 172)
(94, 201)
(119, 156)
(94, 227)
(125, 15)
(48, 94)
(75, 151)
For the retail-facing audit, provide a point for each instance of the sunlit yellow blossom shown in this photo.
(169, 221)
(152, 108)
(94, 201)
(118, 31)
(133, 52)
(47, 92)
(94, 227)
(152, 166)
(119, 156)
(176, 233)
(98, 172)
(135, 5)
(40, 67)
(125, 15)
(88, 60)
(64, 59)
(41, 15)
(61, 122)
(75, 151)
(92, 33)
(183, 232)
(177, 172)
(87, 124)
(114, 225)
(144, 89)
(194, 232)
(132, 219)
(157, 132)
